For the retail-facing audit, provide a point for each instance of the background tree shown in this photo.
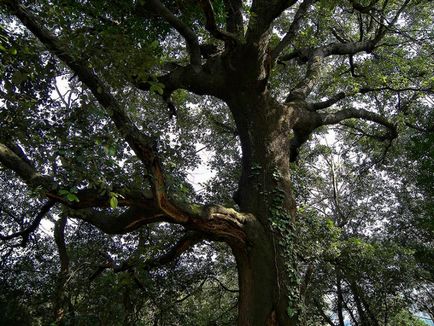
(261, 78)
(360, 265)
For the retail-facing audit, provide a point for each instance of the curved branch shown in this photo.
(115, 222)
(216, 221)
(290, 56)
(87, 198)
(364, 90)
(33, 226)
(188, 241)
(336, 117)
(327, 103)
(351, 48)
(315, 56)
(186, 32)
(203, 82)
(22, 166)
(363, 9)
(224, 287)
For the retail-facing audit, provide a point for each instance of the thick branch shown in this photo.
(348, 48)
(187, 242)
(313, 74)
(112, 222)
(203, 82)
(60, 297)
(21, 165)
(186, 32)
(363, 9)
(59, 238)
(336, 117)
(263, 12)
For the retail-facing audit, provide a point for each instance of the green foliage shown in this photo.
(405, 318)
(380, 263)
(70, 195)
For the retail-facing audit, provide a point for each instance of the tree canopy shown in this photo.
(314, 119)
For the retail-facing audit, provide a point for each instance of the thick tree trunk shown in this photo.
(266, 266)
(263, 281)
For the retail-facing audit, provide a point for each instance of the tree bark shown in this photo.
(266, 265)
(263, 281)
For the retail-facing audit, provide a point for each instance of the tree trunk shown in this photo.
(264, 282)
(267, 271)
(340, 299)
(60, 299)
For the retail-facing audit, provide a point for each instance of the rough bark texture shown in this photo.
(264, 127)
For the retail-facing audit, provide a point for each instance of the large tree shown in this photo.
(261, 76)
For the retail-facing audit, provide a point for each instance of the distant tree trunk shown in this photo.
(340, 299)
(60, 299)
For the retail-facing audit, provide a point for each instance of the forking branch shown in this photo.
(186, 32)
(293, 28)
(211, 24)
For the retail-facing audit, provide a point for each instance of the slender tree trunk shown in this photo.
(340, 299)
(60, 299)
